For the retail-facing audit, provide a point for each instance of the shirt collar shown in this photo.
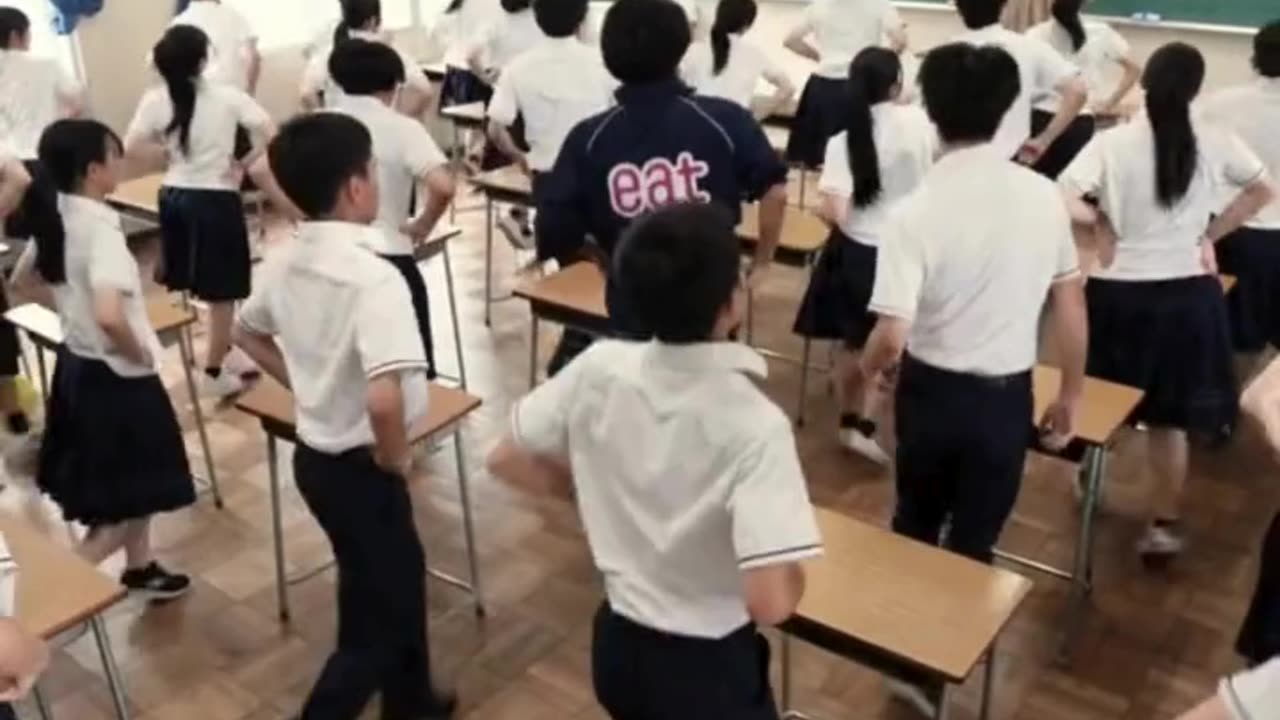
(708, 356)
(95, 209)
(971, 155)
(359, 103)
(324, 232)
(652, 92)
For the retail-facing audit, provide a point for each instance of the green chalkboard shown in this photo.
(1248, 13)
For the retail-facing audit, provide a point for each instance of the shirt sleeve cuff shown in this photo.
(779, 556)
(394, 366)
(1071, 274)
(891, 311)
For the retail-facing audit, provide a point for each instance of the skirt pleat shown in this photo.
(835, 304)
(819, 115)
(1253, 306)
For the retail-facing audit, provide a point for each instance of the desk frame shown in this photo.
(492, 195)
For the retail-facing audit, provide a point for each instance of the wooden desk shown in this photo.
(505, 185)
(273, 406)
(573, 297)
(470, 116)
(58, 590)
(435, 72)
(140, 196)
(803, 235)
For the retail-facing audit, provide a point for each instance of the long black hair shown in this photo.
(12, 22)
(732, 16)
(356, 14)
(1172, 79)
(872, 76)
(1067, 13)
(67, 149)
(180, 56)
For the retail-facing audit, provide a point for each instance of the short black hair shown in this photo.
(360, 67)
(315, 155)
(559, 18)
(676, 269)
(1266, 50)
(515, 6)
(12, 21)
(644, 40)
(980, 13)
(968, 90)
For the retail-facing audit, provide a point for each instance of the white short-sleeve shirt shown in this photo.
(686, 475)
(33, 91)
(1041, 70)
(97, 259)
(739, 78)
(554, 86)
(405, 153)
(968, 259)
(1103, 48)
(231, 37)
(1155, 242)
(906, 143)
(341, 316)
(1252, 694)
(458, 30)
(843, 28)
(511, 34)
(220, 109)
(1253, 112)
(316, 78)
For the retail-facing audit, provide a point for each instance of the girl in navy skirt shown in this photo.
(831, 33)
(462, 23)
(191, 123)
(112, 455)
(882, 154)
(1157, 318)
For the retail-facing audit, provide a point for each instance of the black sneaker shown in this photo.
(155, 582)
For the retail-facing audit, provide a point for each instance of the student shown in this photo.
(1041, 71)
(192, 123)
(22, 660)
(1248, 695)
(14, 184)
(462, 22)
(1095, 48)
(1157, 318)
(515, 32)
(112, 456)
(1252, 253)
(34, 91)
(355, 403)
(236, 60)
(729, 67)
(362, 20)
(686, 476)
(882, 155)
(839, 29)
(408, 161)
(659, 146)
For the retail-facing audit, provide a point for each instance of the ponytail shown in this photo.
(1067, 14)
(872, 76)
(67, 149)
(357, 15)
(180, 56)
(1172, 80)
(732, 17)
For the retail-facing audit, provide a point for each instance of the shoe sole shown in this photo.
(160, 596)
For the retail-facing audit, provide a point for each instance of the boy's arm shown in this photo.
(108, 312)
(385, 403)
(438, 188)
(14, 181)
(22, 659)
(534, 452)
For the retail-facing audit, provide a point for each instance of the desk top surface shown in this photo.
(930, 607)
(57, 589)
(507, 179)
(1104, 408)
(140, 194)
(45, 325)
(578, 287)
(470, 113)
(802, 231)
(271, 402)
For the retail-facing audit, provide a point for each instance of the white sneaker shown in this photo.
(241, 365)
(1161, 543)
(515, 233)
(224, 386)
(915, 696)
(867, 447)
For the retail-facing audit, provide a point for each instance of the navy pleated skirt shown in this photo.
(1253, 306)
(1170, 339)
(112, 448)
(835, 304)
(820, 114)
(463, 87)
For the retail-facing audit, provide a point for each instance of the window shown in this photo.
(44, 41)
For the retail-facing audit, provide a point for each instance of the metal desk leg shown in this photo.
(109, 665)
(42, 704)
(533, 351)
(751, 318)
(804, 382)
(988, 683)
(277, 529)
(941, 712)
(468, 523)
(453, 315)
(198, 411)
(785, 661)
(1092, 468)
(459, 155)
(488, 261)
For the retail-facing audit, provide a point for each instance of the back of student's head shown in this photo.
(1067, 14)
(559, 18)
(874, 75)
(643, 41)
(980, 13)
(68, 150)
(733, 17)
(1266, 50)
(360, 67)
(1172, 79)
(15, 27)
(968, 89)
(358, 15)
(315, 156)
(676, 271)
(514, 6)
(180, 57)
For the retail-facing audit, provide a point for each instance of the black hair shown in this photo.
(180, 56)
(514, 6)
(355, 15)
(732, 16)
(315, 155)
(644, 40)
(559, 18)
(1172, 79)
(67, 149)
(872, 75)
(365, 68)
(1067, 14)
(453, 7)
(980, 13)
(676, 269)
(12, 22)
(1266, 50)
(968, 89)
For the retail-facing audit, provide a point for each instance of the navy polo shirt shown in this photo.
(660, 145)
